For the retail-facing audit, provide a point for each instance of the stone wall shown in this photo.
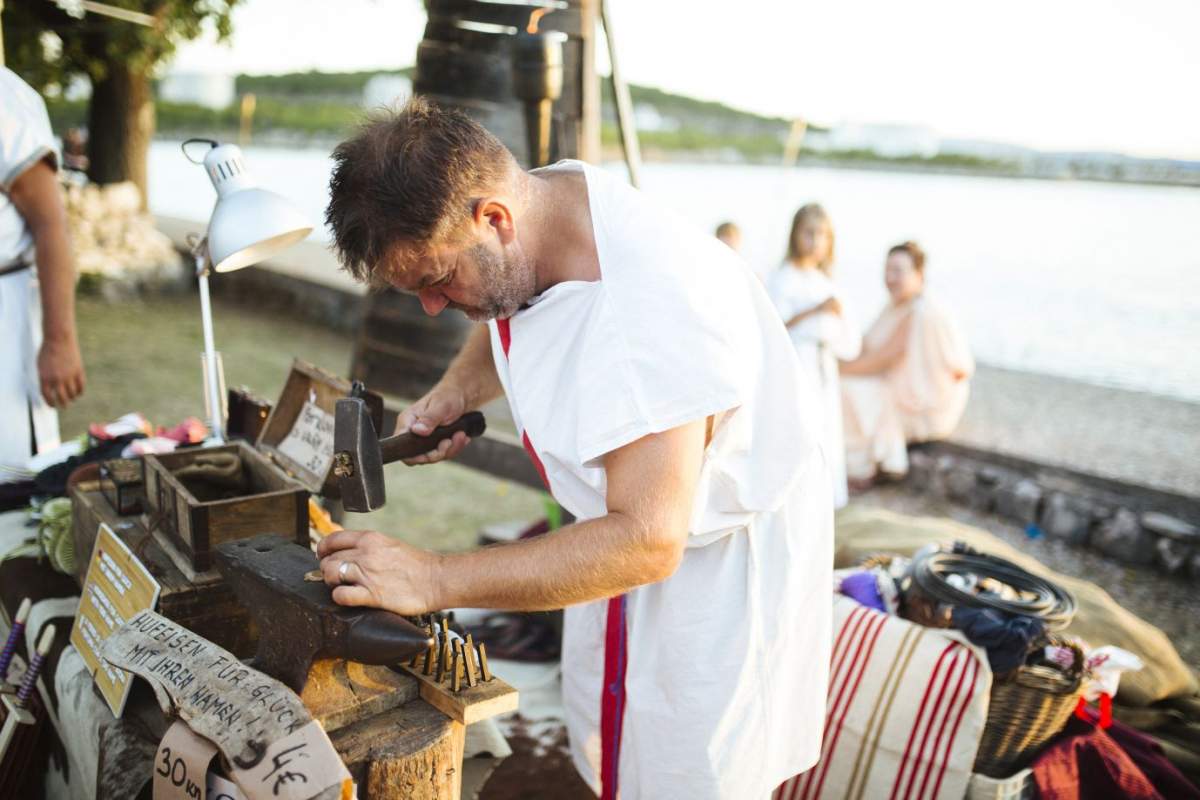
(1131, 524)
(115, 243)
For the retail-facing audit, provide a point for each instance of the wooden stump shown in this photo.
(413, 751)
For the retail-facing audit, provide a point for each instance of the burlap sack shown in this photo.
(1099, 621)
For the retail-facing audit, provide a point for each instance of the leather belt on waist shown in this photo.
(14, 267)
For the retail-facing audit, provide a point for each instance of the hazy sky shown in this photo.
(1054, 74)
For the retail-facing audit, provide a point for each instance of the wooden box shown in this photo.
(291, 459)
(202, 602)
(197, 516)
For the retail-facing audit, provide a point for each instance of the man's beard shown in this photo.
(509, 282)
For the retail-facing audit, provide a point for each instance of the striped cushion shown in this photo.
(906, 707)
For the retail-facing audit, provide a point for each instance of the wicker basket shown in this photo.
(1027, 709)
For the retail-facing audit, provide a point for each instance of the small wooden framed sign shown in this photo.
(117, 586)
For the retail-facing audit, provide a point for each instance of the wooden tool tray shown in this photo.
(290, 460)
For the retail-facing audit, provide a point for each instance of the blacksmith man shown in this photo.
(656, 392)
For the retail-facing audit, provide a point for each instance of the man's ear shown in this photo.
(495, 214)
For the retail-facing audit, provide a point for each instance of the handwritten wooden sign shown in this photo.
(252, 718)
(116, 588)
(310, 441)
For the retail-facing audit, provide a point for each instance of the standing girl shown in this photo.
(822, 331)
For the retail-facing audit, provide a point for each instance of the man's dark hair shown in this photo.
(408, 176)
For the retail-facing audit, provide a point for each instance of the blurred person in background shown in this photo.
(911, 382)
(821, 329)
(40, 364)
(730, 234)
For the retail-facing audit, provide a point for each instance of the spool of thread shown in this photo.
(14, 636)
(35, 666)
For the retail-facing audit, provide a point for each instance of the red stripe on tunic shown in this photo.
(612, 694)
(612, 698)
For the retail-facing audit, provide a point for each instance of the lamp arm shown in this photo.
(211, 379)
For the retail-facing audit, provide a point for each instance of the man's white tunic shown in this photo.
(727, 660)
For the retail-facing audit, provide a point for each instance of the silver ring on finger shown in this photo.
(343, 568)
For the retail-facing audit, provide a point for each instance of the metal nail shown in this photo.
(430, 652)
(441, 670)
(455, 677)
(483, 667)
(469, 653)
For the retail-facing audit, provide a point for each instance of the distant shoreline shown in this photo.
(283, 139)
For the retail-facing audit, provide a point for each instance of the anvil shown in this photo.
(298, 621)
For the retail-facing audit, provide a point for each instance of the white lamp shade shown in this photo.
(249, 224)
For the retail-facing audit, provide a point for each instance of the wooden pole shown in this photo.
(589, 118)
(791, 150)
(629, 140)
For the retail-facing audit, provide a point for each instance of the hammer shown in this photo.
(359, 454)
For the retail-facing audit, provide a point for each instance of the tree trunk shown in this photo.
(120, 126)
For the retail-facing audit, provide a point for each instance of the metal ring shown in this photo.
(345, 565)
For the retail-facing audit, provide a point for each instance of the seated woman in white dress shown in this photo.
(910, 383)
(820, 327)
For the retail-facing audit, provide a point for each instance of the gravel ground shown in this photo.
(1126, 436)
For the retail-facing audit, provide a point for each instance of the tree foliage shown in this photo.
(92, 44)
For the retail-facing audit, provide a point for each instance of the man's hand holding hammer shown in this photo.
(470, 382)
(368, 568)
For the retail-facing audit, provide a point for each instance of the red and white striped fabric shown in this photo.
(905, 710)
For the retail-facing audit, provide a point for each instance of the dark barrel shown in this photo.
(465, 61)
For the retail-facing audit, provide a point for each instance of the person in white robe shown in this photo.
(657, 394)
(912, 380)
(821, 327)
(40, 363)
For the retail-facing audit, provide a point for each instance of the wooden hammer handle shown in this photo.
(410, 445)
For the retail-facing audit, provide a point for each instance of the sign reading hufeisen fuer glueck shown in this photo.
(260, 725)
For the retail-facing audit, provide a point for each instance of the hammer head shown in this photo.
(357, 461)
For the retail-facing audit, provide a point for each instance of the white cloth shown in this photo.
(729, 657)
(25, 139)
(820, 340)
(921, 398)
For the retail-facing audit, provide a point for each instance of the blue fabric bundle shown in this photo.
(1006, 637)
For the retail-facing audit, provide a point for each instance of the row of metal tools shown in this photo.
(451, 659)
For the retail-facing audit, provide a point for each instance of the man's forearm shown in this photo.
(473, 372)
(586, 561)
